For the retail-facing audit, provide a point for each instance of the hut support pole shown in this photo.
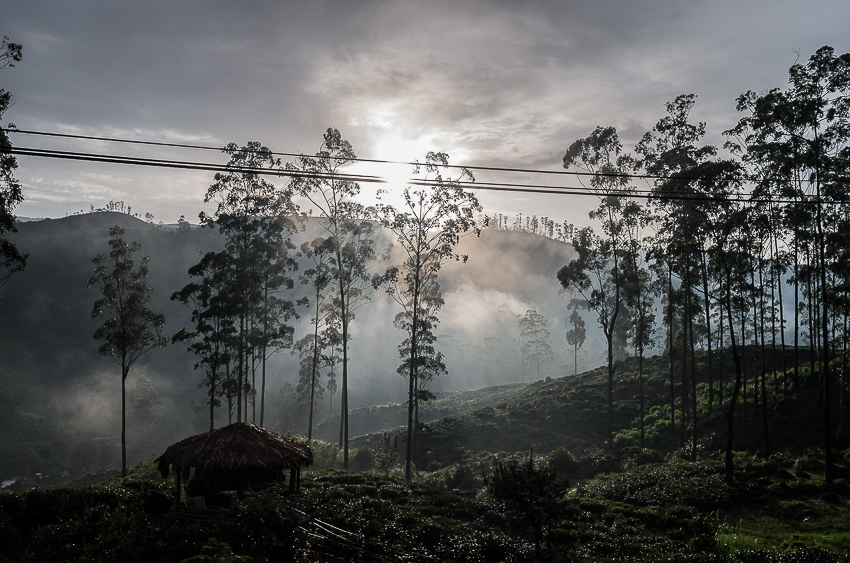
(177, 492)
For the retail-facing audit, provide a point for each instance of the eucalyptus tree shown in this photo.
(671, 155)
(661, 264)
(313, 356)
(429, 361)
(11, 259)
(317, 274)
(213, 314)
(591, 277)
(768, 144)
(728, 246)
(806, 130)
(535, 338)
(436, 212)
(596, 273)
(641, 291)
(578, 333)
(257, 221)
(319, 179)
(130, 328)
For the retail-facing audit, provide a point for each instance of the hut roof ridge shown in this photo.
(237, 445)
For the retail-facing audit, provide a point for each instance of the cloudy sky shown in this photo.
(497, 83)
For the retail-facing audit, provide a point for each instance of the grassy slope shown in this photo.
(381, 418)
(570, 412)
(564, 412)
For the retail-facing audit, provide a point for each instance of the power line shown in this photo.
(370, 160)
(490, 186)
(162, 163)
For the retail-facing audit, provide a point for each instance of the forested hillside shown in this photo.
(53, 376)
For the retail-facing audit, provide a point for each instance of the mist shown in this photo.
(53, 373)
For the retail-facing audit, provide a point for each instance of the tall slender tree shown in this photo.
(257, 221)
(130, 328)
(436, 213)
(597, 272)
(576, 335)
(347, 225)
(213, 314)
(535, 339)
(801, 137)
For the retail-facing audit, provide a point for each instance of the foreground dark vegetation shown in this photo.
(779, 509)
(575, 500)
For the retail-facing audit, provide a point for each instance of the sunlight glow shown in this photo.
(396, 175)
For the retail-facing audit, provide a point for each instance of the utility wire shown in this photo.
(288, 172)
(161, 163)
(371, 160)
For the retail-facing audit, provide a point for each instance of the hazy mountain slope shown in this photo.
(50, 366)
(379, 418)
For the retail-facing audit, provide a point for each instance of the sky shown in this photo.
(507, 83)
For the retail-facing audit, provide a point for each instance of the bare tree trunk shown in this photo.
(743, 373)
(672, 381)
(640, 380)
(764, 404)
(720, 359)
(730, 408)
(796, 316)
(125, 370)
(412, 376)
(707, 297)
(827, 379)
(684, 417)
(693, 374)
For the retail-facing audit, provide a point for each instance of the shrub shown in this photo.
(530, 490)
(361, 459)
(679, 482)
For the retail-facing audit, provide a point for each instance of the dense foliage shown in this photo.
(677, 511)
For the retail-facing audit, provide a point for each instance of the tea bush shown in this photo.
(680, 482)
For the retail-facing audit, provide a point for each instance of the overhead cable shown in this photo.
(370, 160)
(289, 172)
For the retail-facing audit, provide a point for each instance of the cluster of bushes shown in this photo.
(522, 511)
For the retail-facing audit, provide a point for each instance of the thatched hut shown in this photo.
(234, 457)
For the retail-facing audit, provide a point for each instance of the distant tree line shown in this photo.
(543, 226)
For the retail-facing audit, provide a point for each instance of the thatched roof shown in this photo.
(238, 445)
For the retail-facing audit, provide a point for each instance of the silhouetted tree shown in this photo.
(257, 221)
(11, 259)
(130, 328)
(671, 153)
(318, 274)
(435, 214)
(596, 274)
(576, 335)
(535, 339)
(345, 221)
(800, 137)
(213, 313)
